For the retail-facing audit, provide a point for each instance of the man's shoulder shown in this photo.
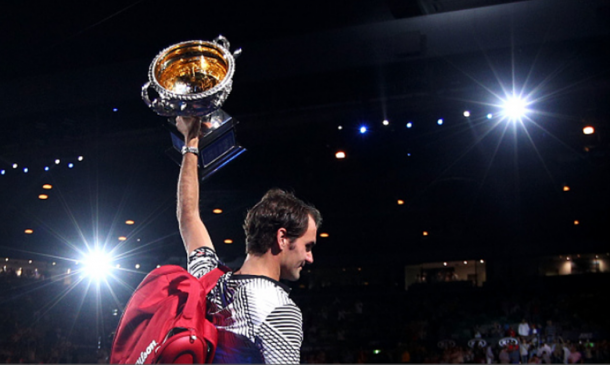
(263, 289)
(261, 296)
(201, 261)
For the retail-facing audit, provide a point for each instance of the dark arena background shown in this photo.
(457, 149)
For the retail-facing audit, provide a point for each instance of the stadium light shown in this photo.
(514, 108)
(97, 264)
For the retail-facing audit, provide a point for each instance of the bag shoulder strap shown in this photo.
(209, 280)
(203, 286)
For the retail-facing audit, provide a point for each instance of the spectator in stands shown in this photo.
(477, 332)
(524, 329)
(489, 355)
(534, 360)
(557, 355)
(513, 353)
(550, 331)
(524, 346)
(497, 330)
(565, 350)
(504, 357)
(575, 356)
(587, 352)
(544, 353)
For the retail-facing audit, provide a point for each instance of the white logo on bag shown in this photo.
(144, 354)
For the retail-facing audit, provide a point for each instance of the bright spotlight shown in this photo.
(515, 108)
(440, 121)
(363, 130)
(409, 125)
(588, 130)
(489, 116)
(466, 113)
(96, 264)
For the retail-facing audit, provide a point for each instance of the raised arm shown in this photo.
(193, 231)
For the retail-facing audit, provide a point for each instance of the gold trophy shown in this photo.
(194, 78)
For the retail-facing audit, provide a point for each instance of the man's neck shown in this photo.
(264, 265)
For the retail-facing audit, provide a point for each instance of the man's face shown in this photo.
(299, 253)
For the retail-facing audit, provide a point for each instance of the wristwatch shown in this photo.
(186, 150)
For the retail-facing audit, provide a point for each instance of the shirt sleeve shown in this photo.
(201, 261)
(281, 335)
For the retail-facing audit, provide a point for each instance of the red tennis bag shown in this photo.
(165, 320)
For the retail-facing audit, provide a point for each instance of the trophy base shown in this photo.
(217, 147)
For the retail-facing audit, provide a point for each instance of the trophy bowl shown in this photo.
(192, 78)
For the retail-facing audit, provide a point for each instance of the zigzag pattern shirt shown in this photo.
(257, 321)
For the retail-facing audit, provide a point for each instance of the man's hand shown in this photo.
(189, 127)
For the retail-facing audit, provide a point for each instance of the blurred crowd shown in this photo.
(459, 323)
(44, 321)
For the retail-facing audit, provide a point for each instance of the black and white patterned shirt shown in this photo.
(256, 320)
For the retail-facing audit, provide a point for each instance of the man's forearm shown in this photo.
(193, 232)
(188, 189)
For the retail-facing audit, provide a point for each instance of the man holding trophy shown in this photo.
(256, 320)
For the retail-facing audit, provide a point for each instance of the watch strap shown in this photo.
(186, 149)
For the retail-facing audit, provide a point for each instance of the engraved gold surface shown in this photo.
(191, 69)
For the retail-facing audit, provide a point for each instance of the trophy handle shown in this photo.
(145, 94)
(225, 43)
(222, 41)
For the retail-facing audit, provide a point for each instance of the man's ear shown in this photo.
(281, 238)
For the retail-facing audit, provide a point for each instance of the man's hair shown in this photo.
(277, 209)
